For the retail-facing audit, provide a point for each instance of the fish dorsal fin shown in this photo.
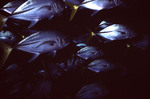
(74, 9)
(6, 52)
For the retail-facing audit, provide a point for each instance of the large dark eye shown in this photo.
(49, 7)
(52, 43)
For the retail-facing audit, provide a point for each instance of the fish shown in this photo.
(92, 91)
(36, 10)
(95, 5)
(101, 65)
(42, 42)
(116, 32)
(7, 37)
(71, 64)
(89, 52)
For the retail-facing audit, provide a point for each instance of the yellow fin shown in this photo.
(74, 9)
(128, 45)
(92, 33)
(6, 52)
(2, 21)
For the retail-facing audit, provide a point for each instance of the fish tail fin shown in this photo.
(3, 20)
(6, 52)
(74, 9)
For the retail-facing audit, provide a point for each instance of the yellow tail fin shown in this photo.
(6, 52)
(2, 21)
(74, 9)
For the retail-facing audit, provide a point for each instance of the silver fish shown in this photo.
(92, 91)
(101, 65)
(7, 37)
(35, 10)
(95, 5)
(89, 52)
(11, 6)
(42, 42)
(116, 32)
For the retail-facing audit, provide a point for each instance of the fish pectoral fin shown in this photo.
(51, 17)
(94, 12)
(32, 24)
(54, 53)
(35, 55)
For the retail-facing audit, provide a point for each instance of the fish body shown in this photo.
(89, 52)
(35, 10)
(116, 32)
(100, 65)
(42, 42)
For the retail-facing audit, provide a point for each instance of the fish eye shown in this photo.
(52, 43)
(49, 7)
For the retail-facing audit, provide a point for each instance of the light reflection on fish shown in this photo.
(101, 65)
(35, 10)
(89, 52)
(42, 42)
(98, 4)
(116, 32)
